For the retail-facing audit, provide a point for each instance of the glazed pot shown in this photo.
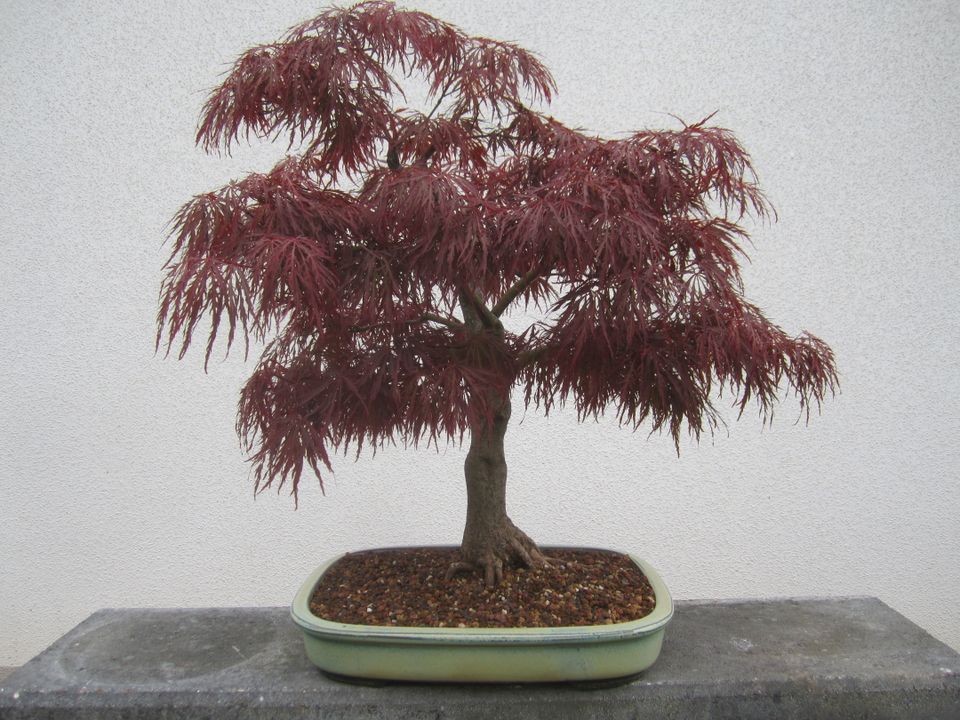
(431, 654)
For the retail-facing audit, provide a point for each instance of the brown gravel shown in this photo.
(406, 587)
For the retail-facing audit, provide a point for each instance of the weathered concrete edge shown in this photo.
(793, 703)
(947, 684)
(735, 600)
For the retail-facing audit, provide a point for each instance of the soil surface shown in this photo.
(406, 587)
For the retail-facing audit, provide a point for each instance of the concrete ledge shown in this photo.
(818, 658)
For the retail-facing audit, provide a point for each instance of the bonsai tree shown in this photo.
(377, 263)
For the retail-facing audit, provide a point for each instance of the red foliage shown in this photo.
(355, 255)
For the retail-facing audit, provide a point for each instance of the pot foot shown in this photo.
(603, 684)
(361, 681)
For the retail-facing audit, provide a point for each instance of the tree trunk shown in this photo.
(490, 539)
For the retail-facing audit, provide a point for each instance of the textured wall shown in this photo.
(122, 481)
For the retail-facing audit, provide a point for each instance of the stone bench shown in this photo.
(811, 658)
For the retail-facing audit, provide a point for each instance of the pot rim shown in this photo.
(318, 627)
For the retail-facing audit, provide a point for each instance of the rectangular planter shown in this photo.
(428, 654)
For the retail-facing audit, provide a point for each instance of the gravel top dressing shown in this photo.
(406, 587)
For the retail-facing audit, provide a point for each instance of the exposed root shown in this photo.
(457, 568)
(490, 555)
(526, 549)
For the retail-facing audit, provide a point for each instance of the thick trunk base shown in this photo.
(490, 552)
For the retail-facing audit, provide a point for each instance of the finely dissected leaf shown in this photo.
(378, 261)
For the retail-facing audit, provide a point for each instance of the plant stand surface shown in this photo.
(810, 658)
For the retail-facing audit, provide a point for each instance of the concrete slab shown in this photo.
(812, 658)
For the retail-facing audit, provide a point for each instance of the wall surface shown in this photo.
(121, 479)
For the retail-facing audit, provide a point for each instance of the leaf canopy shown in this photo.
(377, 261)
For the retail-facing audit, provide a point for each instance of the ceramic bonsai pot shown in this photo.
(430, 654)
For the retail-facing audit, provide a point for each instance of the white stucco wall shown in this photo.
(122, 481)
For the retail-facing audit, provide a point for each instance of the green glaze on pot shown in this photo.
(427, 654)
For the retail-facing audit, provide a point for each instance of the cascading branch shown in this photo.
(377, 263)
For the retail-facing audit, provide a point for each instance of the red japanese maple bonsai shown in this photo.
(379, 260)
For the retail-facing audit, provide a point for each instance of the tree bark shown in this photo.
(485, 470)
(490, 539)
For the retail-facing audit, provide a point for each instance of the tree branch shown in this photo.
(451, 323)
(443, 96)
(510, 295)
(530, 356)
(472, 304)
